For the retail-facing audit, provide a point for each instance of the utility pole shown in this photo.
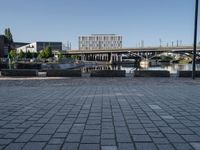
(195, 40)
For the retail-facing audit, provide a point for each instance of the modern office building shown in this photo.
(38, 46)
(100, 42)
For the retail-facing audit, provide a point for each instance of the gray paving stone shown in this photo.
(165, 147)
(144, 146)
(5, 141)
(73, 138)
(141, 138)
(70, 146)
(191, 138)
(126, 146)
(108, 142)
(41, 138)
(34, 146)
(182, 146)
(90, 139)
(109, 148)
(56, 141)
(15, 146)
(52, 147)
(123, 138)
(89, 147)
(175, 138)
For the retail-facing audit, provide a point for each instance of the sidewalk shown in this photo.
(99, 113)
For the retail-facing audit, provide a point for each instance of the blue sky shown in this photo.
(63, 20)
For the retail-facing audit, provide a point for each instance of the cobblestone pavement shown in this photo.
(100, 114)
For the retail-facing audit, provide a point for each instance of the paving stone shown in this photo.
(165, 147)
(144, 146)
(196, 146)
(11, 135)
(90, 139)
(15, 146)
(126, 146)
(175, 138)
(70, 146)
(89, 147)
(109, 148)
(56, 141)
(52, 147)
(191, 138)
(108, 142)
(34, 146)
(182, 146)
(41, 138)
(5, 141)
(123, 138)
(107, 136)
(73, 138)
(141, 138)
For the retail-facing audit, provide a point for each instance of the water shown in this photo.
(129, 68)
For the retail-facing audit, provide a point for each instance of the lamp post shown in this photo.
(195, 40)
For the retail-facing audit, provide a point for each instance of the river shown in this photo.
(172, 68)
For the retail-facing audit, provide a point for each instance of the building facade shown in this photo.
(38, 46)
(100, 42)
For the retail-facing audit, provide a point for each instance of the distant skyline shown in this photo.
(65, 20)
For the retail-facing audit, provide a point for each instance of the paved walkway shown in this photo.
(100, 114)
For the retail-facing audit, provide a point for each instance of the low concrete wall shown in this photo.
(19, 72)
(108, 73)
(63, 73)
(151, 73)
(187, 73)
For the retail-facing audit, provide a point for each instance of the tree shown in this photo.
(29, 54)
(13, 54)
(9, 39)
(22, 54)
(46, 53)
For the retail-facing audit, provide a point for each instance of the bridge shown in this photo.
(115, 55)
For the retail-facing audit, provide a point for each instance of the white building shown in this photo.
(100, 42)
(38, 46)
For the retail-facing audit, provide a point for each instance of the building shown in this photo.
(20, 44)
(3, 46)
(38, 46)
(100, 42)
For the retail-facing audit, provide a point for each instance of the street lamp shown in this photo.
(195, 40)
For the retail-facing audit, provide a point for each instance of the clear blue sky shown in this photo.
(63, 20)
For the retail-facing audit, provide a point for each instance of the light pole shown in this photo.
(195, 40)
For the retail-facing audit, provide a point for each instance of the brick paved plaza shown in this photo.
(100, 114)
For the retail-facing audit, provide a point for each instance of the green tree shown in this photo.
(29, 54)
(22, 54)
(9, 39)
(13, 54)
(46, 53)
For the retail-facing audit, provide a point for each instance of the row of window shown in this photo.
(100, 38)
(100, 42)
